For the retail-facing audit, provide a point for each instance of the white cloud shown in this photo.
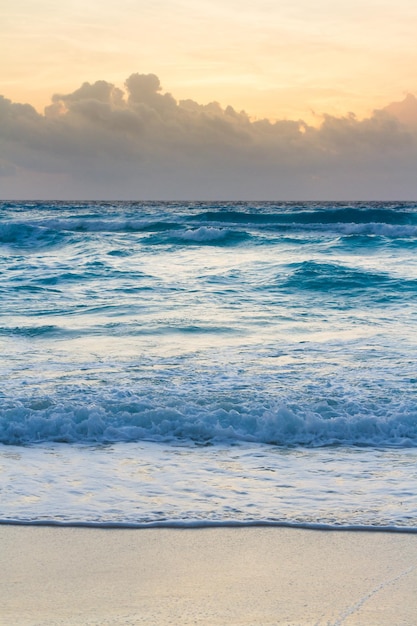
(101, 142)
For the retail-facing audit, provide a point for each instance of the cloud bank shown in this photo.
(140, 143)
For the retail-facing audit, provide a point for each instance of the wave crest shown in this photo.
(133, 419)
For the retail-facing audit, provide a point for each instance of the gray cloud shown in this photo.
(102, 142)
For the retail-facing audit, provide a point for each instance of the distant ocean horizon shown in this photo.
(209, 363)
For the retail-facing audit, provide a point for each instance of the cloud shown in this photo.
(404, 111)
(140, 143)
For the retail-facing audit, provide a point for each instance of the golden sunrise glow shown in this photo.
(277, 60)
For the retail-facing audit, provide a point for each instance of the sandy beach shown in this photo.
(240, 576)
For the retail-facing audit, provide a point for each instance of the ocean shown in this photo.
(201, 364)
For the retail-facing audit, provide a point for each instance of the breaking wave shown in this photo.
(133, 418)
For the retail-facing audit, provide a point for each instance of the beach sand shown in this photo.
(239, 576)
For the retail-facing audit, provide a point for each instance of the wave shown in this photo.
(199, 523)
(134, 418)
(316, 214)
(49, 330)
(308, 217)
(365, 220)
(193, 223)
(52, 231)
(390, 231)
(330, 277)
(27, 235)
(115, 225)
(208, 235)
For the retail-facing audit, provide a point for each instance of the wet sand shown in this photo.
(217, 576)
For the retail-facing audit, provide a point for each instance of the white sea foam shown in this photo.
(142, 485)
(137, 418)
(205, 233)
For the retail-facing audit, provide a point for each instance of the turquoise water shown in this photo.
(208, 363)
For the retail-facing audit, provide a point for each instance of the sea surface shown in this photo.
(185, 364)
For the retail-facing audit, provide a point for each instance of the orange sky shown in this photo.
(288, 59)
(311, 62)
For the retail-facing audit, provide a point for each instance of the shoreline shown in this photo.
(210, 576)
(205, 524)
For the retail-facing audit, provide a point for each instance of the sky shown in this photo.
(208, 99)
